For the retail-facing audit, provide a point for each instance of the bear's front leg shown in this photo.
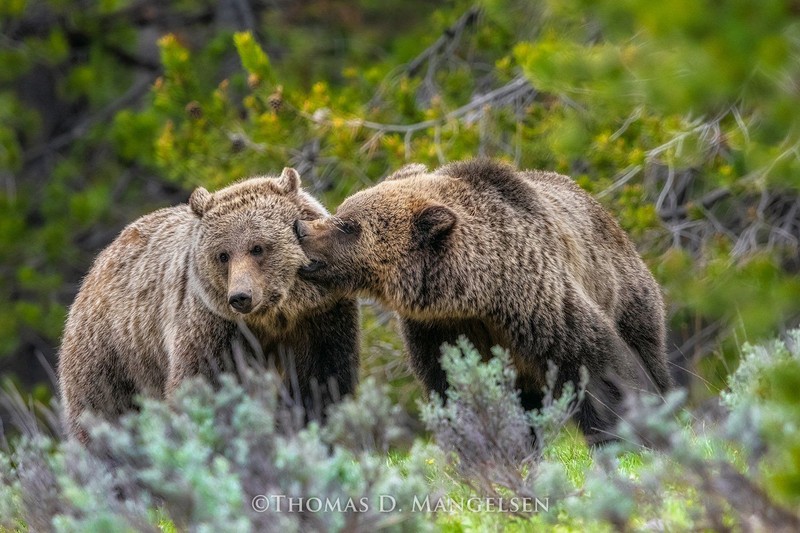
(326, 356)
(424, 340)
(198, 346)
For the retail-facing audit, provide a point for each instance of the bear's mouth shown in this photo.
(314, 266)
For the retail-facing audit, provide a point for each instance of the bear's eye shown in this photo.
(224, 257)
(257, 250)
(347, 227)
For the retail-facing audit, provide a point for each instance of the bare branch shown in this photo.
(517, 87)
(625, 176)
(450, 36)
(706, 202)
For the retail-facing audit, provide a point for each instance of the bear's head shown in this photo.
(382, 241)
(246, 255)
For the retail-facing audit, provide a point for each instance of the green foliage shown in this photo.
(382, 357)
(254, 60)
(752, 382)
(373, 422)
(482, 419)
(763, 390)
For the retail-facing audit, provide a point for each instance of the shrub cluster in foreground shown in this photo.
(239, 459)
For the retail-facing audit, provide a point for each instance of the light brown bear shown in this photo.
(163, 302)
(525, 260)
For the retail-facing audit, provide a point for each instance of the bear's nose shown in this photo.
(300, 229)
(242, 302)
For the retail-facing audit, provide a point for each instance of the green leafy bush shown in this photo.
(763, 393)
(232, 459)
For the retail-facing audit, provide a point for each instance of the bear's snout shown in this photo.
(241, 302)
(309, 241)
(300, 229)
(314, 266)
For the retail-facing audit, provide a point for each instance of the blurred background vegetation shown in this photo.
(680, 116)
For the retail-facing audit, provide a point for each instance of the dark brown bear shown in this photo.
(166, 300)
(526, 260)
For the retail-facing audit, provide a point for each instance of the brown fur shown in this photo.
(526, 260)
(154, 309)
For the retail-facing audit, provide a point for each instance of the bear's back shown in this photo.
(134, 284)
(492, 180)
(545, 194)
(545, 218)
(144, 250)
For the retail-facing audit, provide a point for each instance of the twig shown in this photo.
(450, 35)
(706, 202)
(517, 87)
(625, 176)
(667, 188)
(636, 115)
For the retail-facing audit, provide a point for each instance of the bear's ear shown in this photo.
(435, 221)
(200, 201)
(407, 171)
(289, 182)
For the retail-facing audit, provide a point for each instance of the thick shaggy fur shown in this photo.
(154, 309)
(526, 260)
